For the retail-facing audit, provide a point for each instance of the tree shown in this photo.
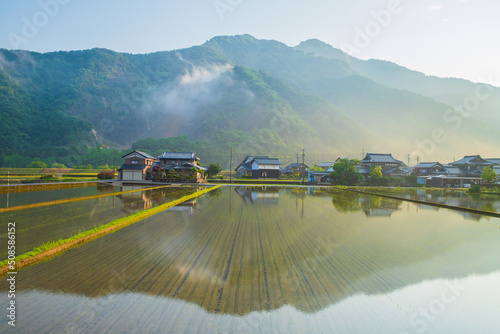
(56, 165)
(14, 161)
(375, 173)
(315, 168)
(345, 171)
(489, 175)
(213, 169)
(37, 164)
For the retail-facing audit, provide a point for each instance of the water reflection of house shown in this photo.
(265, 195)
(380, 208)
(185, 207)
(135, 201)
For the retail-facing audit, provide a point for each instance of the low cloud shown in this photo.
(435, 7)
(197, 87)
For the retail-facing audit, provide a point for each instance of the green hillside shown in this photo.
(257, 96)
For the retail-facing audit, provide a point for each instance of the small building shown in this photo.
(295, 168)
(266, 168)
(245, 167)
(319, 177)
(443, 181)
(389, 165)
(427, 168)
(259, 167)
(472, 164)
(136, 166)
(182, 163)
(326, 165)
(178, 158)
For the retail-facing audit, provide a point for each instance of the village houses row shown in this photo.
(140, 166)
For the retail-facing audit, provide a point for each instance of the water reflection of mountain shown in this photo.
(263, 257)
(261, 195)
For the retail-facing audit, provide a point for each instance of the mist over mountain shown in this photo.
(257, 96)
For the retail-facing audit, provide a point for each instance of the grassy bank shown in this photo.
(52, 248)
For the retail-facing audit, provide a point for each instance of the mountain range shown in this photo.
(256, 96)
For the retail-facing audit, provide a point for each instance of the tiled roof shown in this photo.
(495, 161)
(145, 155)
(378, 157)
(294, 165)
(426, 164)
(453, 170)
(178, 155)
(468, 160)
(245, 166)
(326, 164)
(185, 166)
(268, 161)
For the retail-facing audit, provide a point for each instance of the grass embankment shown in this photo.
(52, 248)
(45, 186)
(75, 199)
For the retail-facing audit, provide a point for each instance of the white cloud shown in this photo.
(435, 7)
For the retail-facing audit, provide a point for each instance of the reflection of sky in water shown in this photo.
(467, 305)
(311, 262)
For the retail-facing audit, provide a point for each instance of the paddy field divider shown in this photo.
(50, 249)
(440, 205)
(74, 199)
(27, 187)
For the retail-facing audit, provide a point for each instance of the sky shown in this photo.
(446, 38)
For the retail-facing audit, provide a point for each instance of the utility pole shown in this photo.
(231, 166)
(303, 166)
(8, 186)
(114, 162)
(363, 154)
(408, 160)
(297, 165)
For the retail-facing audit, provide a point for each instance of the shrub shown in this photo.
(48, 177)
(475, 189)
(105, 175)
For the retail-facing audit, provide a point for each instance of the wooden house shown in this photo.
(389, 165)
(245, 167)
(181, 162)
(136, 165)
(428, 168)
(268, 168)
(259, 167)
(295, 168)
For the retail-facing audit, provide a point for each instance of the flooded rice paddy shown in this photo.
(485, 202)
(36, 226)
(273, 260)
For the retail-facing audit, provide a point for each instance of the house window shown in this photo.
(135, 162)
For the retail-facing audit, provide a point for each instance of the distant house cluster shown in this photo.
(467, 171)
(460, 173)
(455, 174)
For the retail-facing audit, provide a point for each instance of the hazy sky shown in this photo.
(455, 38)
